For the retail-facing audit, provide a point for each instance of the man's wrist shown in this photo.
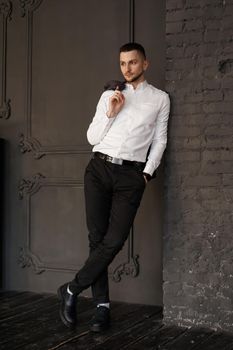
(110, 114)
(147, 176)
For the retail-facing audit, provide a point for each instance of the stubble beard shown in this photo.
(134, 79)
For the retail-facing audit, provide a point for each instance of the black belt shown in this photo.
(118, 161)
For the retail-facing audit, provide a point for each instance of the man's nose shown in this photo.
(127, 68)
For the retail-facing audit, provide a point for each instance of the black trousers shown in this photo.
(113, 194)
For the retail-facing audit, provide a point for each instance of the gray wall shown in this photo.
(56, 56)
(198, 245)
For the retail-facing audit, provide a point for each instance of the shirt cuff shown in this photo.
(149, 168)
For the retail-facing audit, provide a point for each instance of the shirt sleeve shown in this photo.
(100, 123)
(159, 141)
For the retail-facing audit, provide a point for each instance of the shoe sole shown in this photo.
(66, 323)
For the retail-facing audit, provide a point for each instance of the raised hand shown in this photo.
(116, 103)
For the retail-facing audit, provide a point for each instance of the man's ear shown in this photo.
(145, 65)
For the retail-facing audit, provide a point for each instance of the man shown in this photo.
(126, 125)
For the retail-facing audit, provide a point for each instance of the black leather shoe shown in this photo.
(101, 320)
(68, 306)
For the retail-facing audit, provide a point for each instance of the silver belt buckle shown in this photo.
(117, 161)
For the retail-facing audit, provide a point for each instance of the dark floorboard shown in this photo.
(30, 321)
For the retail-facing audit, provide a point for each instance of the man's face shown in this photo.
(133, 65)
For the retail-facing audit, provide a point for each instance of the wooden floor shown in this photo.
(31, 321)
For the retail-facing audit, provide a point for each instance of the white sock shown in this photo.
(104, 304)
(68, 290)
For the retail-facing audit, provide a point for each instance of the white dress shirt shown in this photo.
(141, 123)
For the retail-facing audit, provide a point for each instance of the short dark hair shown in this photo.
(133, 46)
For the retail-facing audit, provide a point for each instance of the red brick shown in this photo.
(172, 75)
(211, 36)
(175, 52)
(184, 156)
(213, 3)
(212, 12)
(194, 97)
(210, 193)
(227, 82)
(217, 142)
(228, 96)
(203, 180)
(173, 16)
(183, 38)
(211, 72)
(193, 25)
(213, 24)
(186, 108)
(186, 143)
(208, 61)
(213, 119)
(226, 36)
(193, 120)
(174, 27)
(212, 84)
(228, 179)
(199, 191)
(215, 155)
(217, 107)
(211, 49)
(215, 204)
(192, 51)
(181, 63)
(192, 4)
(217, 167)
(174, 4)
(227, 23)
(185, 131)
(220, 131)
(213, 95)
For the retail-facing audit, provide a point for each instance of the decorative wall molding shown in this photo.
(5, 8)
(26, 189)
(27, 258)
(28, 142)
(131, 267)
(29, 6)
(5, 13)
(131, 20)
(30, 145)
(30, 185)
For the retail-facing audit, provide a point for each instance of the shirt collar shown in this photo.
(141, 86)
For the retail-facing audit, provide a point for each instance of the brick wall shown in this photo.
(198, 237)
